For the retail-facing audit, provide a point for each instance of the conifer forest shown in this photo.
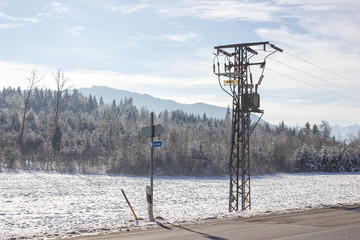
(64, 131)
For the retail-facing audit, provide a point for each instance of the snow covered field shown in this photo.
(38, 204)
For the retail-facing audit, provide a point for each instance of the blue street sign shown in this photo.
(156, 144)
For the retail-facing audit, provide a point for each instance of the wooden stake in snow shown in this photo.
(132, 210)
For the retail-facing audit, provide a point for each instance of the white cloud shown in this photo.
(59, 8)
(10, 25)
(14, 22)
(182, 37)
(341, 25)
(76, 30)
(31, 20)
(54, 10)
(139, 36)
(7, 17)
(225, 10)
(323, 19)
(326, 35)
(14, 74)
(336, 23)
(313, 113)
(130, 8)
(118, 80)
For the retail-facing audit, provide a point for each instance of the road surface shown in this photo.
(334, 223)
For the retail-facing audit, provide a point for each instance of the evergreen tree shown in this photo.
(325, 161)
(315, 129)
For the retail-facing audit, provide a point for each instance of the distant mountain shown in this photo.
(342, 133)
(156, 105)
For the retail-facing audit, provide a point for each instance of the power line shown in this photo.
(347, 79)
(312, 75)
(312, 85)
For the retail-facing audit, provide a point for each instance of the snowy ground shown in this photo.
(38, 204)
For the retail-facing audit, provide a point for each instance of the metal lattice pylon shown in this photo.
(246, 100)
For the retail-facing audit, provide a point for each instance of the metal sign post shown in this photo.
(151, 211)
(152, 131)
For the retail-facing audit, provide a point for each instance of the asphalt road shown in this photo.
(331, 224)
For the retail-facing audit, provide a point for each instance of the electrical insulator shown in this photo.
(260, 80)
(214, 67)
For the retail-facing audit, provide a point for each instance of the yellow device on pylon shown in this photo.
(230, 82)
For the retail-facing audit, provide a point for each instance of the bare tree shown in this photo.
(33, 82)
(61, 86)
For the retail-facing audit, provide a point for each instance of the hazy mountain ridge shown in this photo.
(156, 105)
(346, 132)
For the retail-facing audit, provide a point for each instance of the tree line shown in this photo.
(63, 130)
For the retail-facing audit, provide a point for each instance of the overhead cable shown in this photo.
(314, 76)
(315, 65)
(315, 86)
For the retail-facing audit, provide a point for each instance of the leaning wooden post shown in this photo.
(127, 200)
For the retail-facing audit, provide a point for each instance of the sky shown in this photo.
(166, 49)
